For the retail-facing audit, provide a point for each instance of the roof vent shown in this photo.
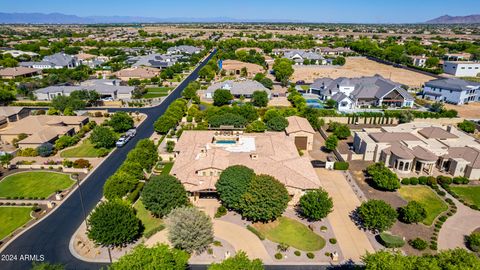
(254, 156)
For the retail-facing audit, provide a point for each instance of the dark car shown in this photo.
(318, 163)
(301, 82)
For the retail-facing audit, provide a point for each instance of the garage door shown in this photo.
(301, 143)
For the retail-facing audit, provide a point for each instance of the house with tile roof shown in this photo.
(56, 61)
(184, 49)
(15, 72)
(237, 88)
(420, 148)
(201, 156)
(355, 93)
(105, 88)
(41, 129)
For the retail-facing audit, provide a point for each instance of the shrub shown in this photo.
(315, 204)
(473, 241)
(406, 181)
(135, 194)
(81, 163)
(383, 177)
(282, 247)
(418, 243)
(460, 180)
(391, 241)
(278, 256)
(340, 165)
(422, 180)
(377, 215)
(443, 218)
(297, 253)
(310, 255)
(221, 211)
(256, 232)
(414, 181)
(431, 181)
(444, 180)
(433, 245)
(413, 212)
(332, 241)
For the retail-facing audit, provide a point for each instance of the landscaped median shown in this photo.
(34, 184)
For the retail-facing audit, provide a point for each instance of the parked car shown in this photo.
(318, 164)
(121, 142)
(300, 82)
(131, 133)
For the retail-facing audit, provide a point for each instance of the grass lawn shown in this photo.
(292, 233)
(150, 222)
(427, 198)
(156, 92)
(86, 149)
(167, 167)
(471, 194)
(13, 218)
(34, 184)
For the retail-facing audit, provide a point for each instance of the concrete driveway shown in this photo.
(352, 241)
(453, 232)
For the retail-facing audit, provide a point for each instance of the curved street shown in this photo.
(50, 237)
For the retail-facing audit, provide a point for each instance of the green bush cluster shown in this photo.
(341, 165)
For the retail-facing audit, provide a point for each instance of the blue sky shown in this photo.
(356, 11)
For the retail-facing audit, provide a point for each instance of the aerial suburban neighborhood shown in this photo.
(194, 135)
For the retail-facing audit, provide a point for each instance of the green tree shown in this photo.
(413, 212)
(265, 200)
(62, 102)
(145, 153)
(45, 149)
(6, 96)
(405, 117)
(157, 257)
(232, 185)
(103, 137)
(277, 123)
(222, 97)
(133, 168)
(316, 204)
(46, 266)
(260, 98)
(331, 143)
(238, 262)
(119, 184)
(256, 126)
(113, 223)
(163, 193)
(267, 82)
(229, 119)
(330, 103)
(282, 69)
(189, 229)
(467, 126)
(432, 62)
(164, 123)
(121, 122)
(377, 215)
(437, 107)
(342, 132)
(339, 61)
(383, 177)
(473, 241)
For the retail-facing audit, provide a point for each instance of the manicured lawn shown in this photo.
(292, 233)
(471, 194)
(150, 222)
(34, 184)
(13, 218)
(427, 198)
(156, 92)
(167, 167)
(85, 149)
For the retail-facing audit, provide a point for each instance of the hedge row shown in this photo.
(341, 165)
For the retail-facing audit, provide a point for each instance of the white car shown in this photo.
(131, 133)
(121, 142)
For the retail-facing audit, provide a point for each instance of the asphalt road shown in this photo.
(50, 237)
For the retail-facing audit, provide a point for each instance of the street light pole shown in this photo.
(81, 199)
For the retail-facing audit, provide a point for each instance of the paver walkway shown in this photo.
(454, 230)
(352, 241)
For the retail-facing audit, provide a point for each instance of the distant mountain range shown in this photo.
(59, 18)
(446, 19)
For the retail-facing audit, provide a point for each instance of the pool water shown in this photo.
(314, 103)
(226, 142)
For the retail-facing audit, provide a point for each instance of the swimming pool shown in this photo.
(226, 142)
(314, 103)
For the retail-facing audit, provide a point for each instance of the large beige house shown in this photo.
(201, 156)
(302, 132)
(41, 129)
(420, 148)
